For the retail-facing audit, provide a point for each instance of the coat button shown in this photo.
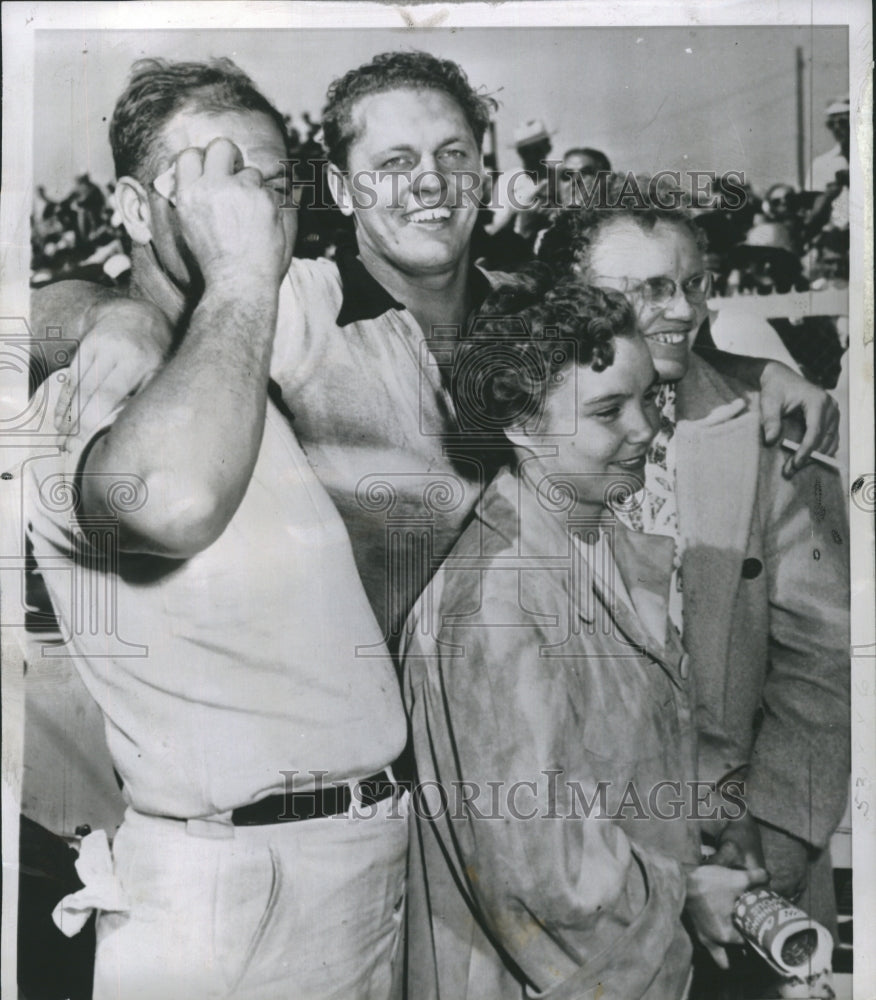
(751, 568)
(684, 666)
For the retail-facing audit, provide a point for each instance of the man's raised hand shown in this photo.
(230, 221)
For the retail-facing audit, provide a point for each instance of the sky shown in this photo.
(713, 98)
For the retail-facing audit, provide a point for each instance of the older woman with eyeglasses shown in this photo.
(760, 589)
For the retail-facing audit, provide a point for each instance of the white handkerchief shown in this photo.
(165, 184)
(101, 889)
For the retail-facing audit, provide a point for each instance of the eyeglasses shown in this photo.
(659, 292)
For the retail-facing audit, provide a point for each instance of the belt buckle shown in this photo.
(356, 797)
(377, 788)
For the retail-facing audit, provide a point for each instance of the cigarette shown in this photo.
(816, 456)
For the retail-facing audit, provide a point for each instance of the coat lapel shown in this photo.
(590, 567)
(716, 486)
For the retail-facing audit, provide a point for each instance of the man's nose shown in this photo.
(429, 180)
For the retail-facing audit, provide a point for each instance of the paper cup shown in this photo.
(793, 944)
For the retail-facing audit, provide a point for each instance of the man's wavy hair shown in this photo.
(158, 89)
(398, 71)
(567, 243)
(525, 334)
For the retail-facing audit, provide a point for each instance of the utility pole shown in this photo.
(801, 144)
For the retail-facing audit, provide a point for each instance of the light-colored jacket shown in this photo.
(530, 679)
(766, 610)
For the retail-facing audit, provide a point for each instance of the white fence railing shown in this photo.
(793, 305)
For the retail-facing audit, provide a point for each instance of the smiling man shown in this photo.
(420, 150)
(355, 356)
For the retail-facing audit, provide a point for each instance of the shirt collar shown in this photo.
(363, 297)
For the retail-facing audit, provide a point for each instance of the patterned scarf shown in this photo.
(653, 510)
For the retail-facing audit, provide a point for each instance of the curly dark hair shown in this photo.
(566, 244)
(525, 333)
(158, 89)
(394, 71)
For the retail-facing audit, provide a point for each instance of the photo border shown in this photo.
(20, 20)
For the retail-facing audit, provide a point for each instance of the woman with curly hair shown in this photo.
(549, 694)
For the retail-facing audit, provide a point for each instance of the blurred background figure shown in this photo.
(578, 169)
(766, 262)
(533, 144)
(512, 236)
(781, 205)
(504, 239)
(322, 227)
(570, 185)
(725, 213)
(836, 160)
(88, 202)
(827, 225)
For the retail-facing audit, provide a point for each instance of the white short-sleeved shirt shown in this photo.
(823, 172)
(372, 411)
(215, 674)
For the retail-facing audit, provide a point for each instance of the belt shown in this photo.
(330, 800)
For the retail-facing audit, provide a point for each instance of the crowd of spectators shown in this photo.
(780, 241)
(77, 236)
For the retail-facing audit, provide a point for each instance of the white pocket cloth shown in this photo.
(101, 889)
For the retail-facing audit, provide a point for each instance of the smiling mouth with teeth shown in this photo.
(430, 215)
(668, 338)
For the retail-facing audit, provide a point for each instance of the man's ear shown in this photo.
(132, 204)
(337, 183)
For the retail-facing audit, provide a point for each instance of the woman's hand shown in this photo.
(712, 890)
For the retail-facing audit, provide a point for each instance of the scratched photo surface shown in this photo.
(505, 545)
